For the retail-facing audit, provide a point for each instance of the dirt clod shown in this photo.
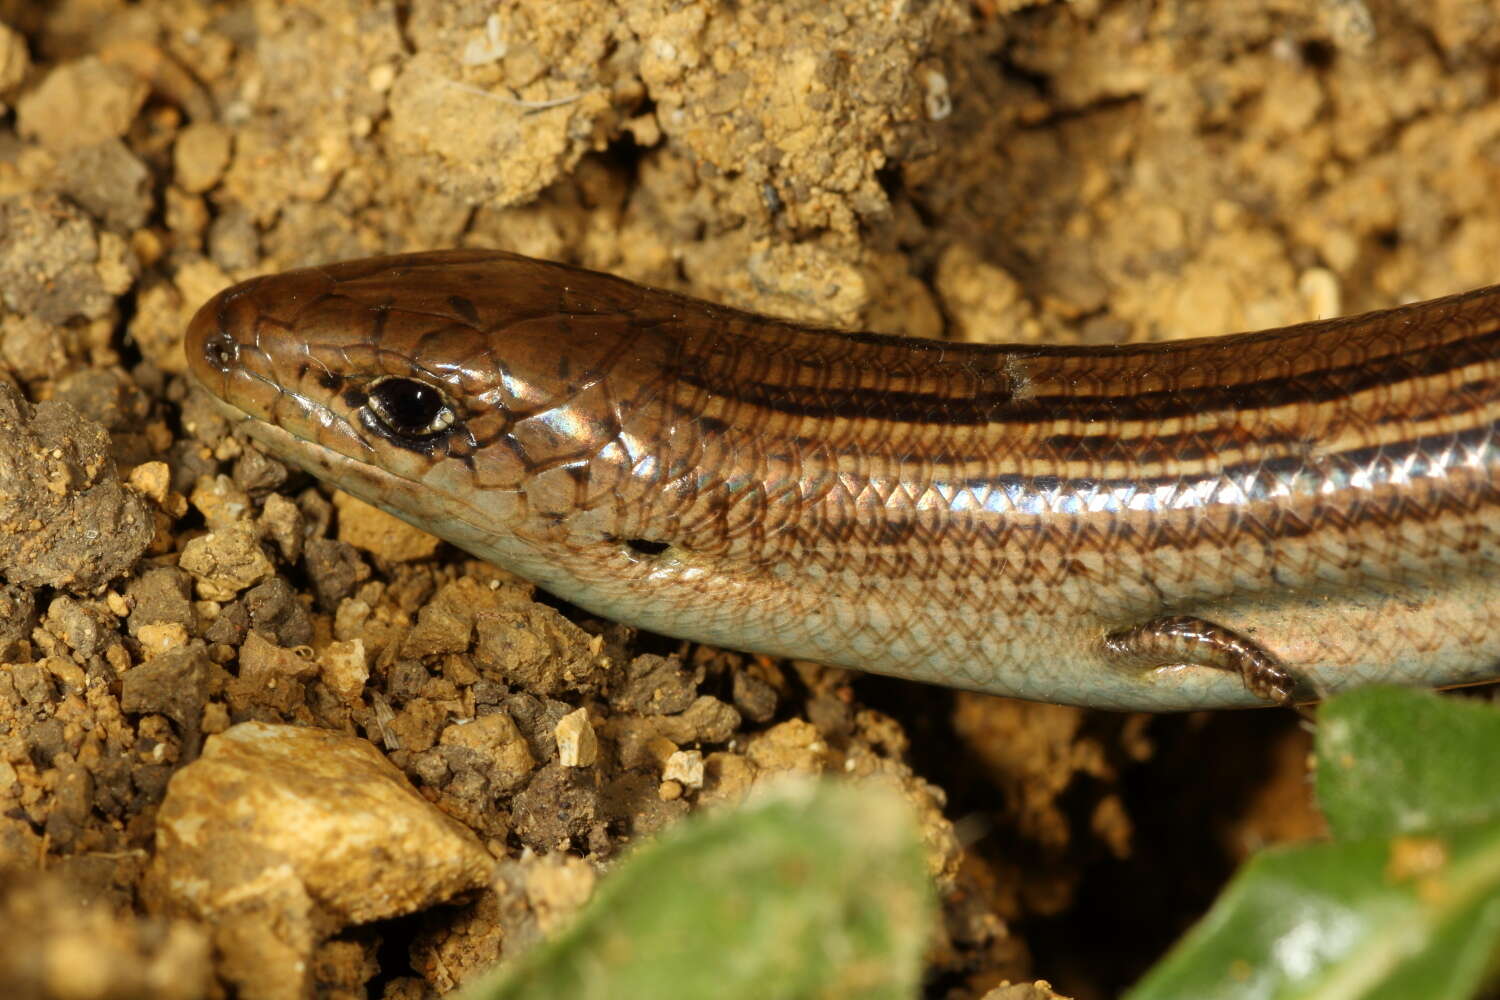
(65, 518)
(176, 684)
(55, 264)
(109, 182)
(63, 941)
(224, 563)
(108, 97)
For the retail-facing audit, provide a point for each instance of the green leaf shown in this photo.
(819, 890)
(1405, 903)
(1405, 917)
(1395, 760)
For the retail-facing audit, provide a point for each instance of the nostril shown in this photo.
(221, 351)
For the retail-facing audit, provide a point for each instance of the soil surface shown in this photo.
(215, 673)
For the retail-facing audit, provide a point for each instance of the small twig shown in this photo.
(555, 102)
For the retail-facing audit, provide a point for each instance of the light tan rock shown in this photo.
(685, 767)
(223, 563)
(279, 836)
(345, 668)
(380, 534)
(501, 753)
(577, 746)
(200, 156)
(162, 637)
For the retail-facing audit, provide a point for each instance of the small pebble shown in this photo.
(223, 563)
(161, 637)
(577, 746)
(686, 768)
(344, 668)
(200, 156)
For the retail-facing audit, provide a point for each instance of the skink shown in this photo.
(1244, 520)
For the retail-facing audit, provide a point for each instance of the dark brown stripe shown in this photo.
(1000, 406)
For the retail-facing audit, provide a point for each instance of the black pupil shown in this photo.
(409, 407)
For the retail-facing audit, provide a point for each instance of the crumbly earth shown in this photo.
(1088, 171)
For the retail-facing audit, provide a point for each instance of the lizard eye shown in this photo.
(408, 408)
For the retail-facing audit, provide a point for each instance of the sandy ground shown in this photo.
(1083, 172)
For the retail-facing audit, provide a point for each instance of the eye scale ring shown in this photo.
(408, 408)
